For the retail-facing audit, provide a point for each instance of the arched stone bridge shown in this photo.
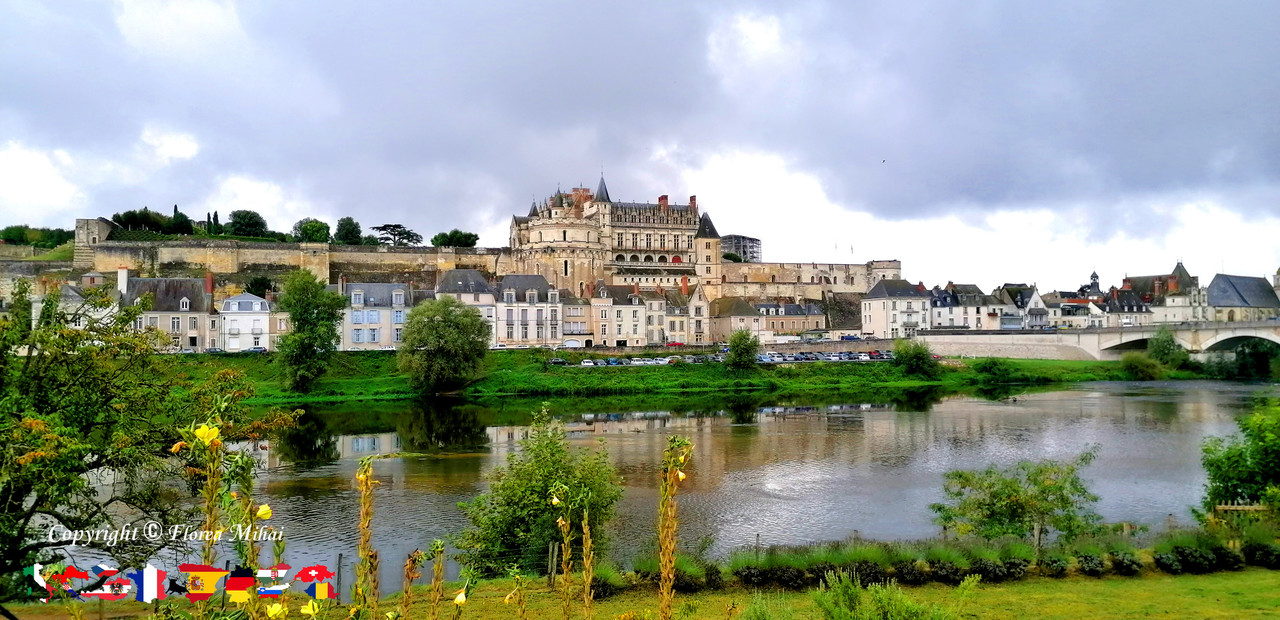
(1097, 344)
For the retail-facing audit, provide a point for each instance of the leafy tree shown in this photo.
(314, 316)
(397, 234)
(259, 285)
(514, 521)
(217, 227)
(370, 240)
(38, 237)
(142, 219)
(443, 343)
(731, 257)
(455, 239)
(20, 308)
(244, 223)
(1164, 349)
(77, 405)
(915, 359)
(1244, 467)
(743, 349)
(179, 223)
(311, 230)
(348, 231)
(1029, 499)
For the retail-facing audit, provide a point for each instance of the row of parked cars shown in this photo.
(641, 361)
(769, 357)
(772, 357)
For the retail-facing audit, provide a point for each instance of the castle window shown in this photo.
(357, 298)
(184, 304)
(648, 241)
(397, 298)
(566, 268)
(564, 235)
(531, 297)
(619, 239)
(553, 297)
(508, 297)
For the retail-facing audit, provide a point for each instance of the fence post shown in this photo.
(552, 553)
(338, 587)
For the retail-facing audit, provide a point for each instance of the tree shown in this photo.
(1244, 467)
(314, 316)
(743, 349)
(1141, 367)
(514, 521)
(455, 239)
(397, 234)
(246, 224)
(370, 240)
(915, 359)
(217, 227)
(311, 230)
(179, 223)
(259, 285)
(20, 308)
(731, 257)
(142, 219)
(443, 343)
(1029, 499)
(79, 405)
(1164, 349)
(348, 231)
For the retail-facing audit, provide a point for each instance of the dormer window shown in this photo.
(509, 297)
(397, 298)
(531, 297)
(553, 297)
(184, 304)
(357, 298)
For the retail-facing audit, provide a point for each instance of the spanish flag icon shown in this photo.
(202, 580)
(320, 590)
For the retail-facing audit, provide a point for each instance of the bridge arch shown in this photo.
(1228, 341)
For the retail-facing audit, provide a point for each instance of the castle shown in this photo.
(573, 239)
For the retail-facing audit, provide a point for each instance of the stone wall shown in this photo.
(1021, 346)
(16, 251)
(43, 275)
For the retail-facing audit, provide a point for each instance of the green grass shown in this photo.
(372, 375)
(63, 252)
(1252, 593)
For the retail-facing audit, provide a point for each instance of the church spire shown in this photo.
(602, 192)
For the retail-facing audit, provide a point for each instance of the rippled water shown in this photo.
(783, 472)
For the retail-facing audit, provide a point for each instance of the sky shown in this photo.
(977, 142)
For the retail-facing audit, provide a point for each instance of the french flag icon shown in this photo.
(150, 582)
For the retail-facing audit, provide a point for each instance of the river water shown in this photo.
(777, 472)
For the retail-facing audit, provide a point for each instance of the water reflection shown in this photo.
(788, 470)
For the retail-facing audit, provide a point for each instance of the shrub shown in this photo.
(713, 577)
(1195, 560)
(869, 573)
(841, 597)
(1015, 568)
(788, 577)
(1017, 556)
(1140, 367)
(985, 562)
(751, 576)
(1266, 555)
(1055, 563)
(910, 572)
(690, 574)
(1125, 563)
(607, 581)
(767, 608)
(915, 359)
(1226, 558)
(1168, 563)
(1091, 565)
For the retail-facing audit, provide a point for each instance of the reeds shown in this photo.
(365, 597)
(673, 460)
(437, 577)
(588, 566)
(412, 572)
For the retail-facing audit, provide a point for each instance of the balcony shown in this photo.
(233, 331)
(257, 331)
(579, 331)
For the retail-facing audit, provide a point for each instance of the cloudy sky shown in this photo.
(975, 141)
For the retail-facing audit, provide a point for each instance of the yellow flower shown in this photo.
(177, 447)
(555, 501)
(310, 609)
(461, 598)
(264, 512)
(235, 495)
(510, 597)
(682, 459)
(680, 475)
(207, 433)
(560, 521)
(275, 609)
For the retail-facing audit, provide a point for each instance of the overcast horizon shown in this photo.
(981, 142)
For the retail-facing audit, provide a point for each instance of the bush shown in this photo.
(1015, 568)
(1125, 563)
(1140, 367)
(1266, 555)
(1091, 565)
(713, 577)
(514, 521)
(1226, 558)
(788, 577)
(991, 571)
(607, 581)
(910, 573)
(916, 360)
(1195, 560)
(841, 597)
(767, 608)
(743, 348)
(1055, 563)
(1168, 563)
(868, 573)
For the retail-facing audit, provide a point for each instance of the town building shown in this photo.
(245, 322)
(791, 319)
(470, 287)
(180, 308)
(376, 313)
(895, 309)
(964, 306)
(747, 248)
(733, 314)
(618, 315)
(528, 312)
(1242, 298)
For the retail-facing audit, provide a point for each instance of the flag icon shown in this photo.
(238, 584)
(314, 573)
(274, 573)
(320, 590)
(272, 591)
(203, 580)
(149, 582)
(112, 589)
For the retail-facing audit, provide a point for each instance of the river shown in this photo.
(762, 470)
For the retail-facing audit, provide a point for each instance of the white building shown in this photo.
(246, 322)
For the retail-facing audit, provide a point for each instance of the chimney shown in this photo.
(1126, 284)
(1158, 287)
(271, 295)
(635, 288)
(662, 201)
(660, 291)
(208, 283)
(684, 285)
(693, 203)
(591, 290)
(122, 279)
(342, 285)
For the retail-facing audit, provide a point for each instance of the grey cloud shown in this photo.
(436, 114)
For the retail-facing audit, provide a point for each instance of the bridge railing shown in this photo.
(1181, 326)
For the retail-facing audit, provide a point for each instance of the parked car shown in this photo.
(675, 344)
(386, 347)
(674, 359)
(764, 359)
(183, 351)
(557, 361)
(688, 359)
(622, 361)
(214, 350)
(613, 361)
(832, 357)
(588, 363)
(256, 350)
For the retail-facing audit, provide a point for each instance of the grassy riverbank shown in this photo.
(362, 376)
(1253, 593)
